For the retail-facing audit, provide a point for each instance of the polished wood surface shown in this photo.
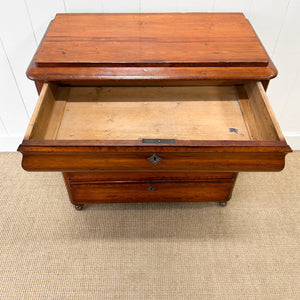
(182, 39)
(97, 74)
(145, 74)
(108, 177)
(256, 65)
(124, 161)
(146, 192)
(105, 187)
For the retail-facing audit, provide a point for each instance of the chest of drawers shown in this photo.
(152, 107)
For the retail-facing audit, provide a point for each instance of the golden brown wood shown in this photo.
(215, 155)
(197, 78)
(109, 177)
(39, 85)
(99, 146)
(138, 161)
(56, 114)
(146, 192)
(48, 113)
(147, 83)
(146, 74)
(202, 39)
(247, 112)
(264, 115)
(245, 58)
(40, 118)
(98, 187)
(133, 113)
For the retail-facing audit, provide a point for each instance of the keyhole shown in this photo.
(155, 159)
(151, 188)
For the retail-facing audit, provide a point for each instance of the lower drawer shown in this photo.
(150, 192)
(138, 177)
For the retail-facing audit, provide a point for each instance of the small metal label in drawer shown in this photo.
(159, 141)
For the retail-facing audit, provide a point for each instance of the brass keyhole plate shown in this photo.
(151, 189)
(155, 159)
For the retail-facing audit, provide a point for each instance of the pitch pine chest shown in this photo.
(152, 107)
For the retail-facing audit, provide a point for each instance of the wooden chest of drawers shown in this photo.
(152, 107)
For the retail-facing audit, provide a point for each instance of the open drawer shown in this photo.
(174, 128)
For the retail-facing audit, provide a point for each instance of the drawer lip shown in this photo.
(134, 182)
(137, 146)
(136, 177)
(132, 74)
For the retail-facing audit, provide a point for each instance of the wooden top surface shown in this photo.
(151, 40)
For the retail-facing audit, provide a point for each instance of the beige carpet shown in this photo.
(247, 250)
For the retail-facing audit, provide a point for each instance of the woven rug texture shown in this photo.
(247, 250)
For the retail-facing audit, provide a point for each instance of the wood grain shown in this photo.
(247, 112)
(48, 113)
(209, 62)
(56, 114)
(121, 114)
(100, 187)
(150, 192)
(138, 161)
(151, 40)
(108, 177)
(40, 117)
(133, 113)
(148, 74)
(98, 146)
(263, 113)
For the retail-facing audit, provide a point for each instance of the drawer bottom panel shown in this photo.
(150, 192)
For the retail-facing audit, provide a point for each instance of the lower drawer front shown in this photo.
(150, 192)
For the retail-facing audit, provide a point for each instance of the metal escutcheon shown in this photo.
(151, 188)
(155, 159)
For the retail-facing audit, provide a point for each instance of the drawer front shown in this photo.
(212, 161)
(149, 192)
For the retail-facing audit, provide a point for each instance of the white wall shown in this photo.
(23, 22)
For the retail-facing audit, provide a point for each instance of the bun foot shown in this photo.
(78, 207)
(222, 204)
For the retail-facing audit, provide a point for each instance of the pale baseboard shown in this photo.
(11, 143)
(293, 139)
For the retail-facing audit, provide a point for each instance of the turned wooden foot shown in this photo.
(78, 207)
(223, 203)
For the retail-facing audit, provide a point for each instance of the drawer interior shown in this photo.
(236, 112)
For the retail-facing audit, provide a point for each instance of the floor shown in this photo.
(247, 250)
